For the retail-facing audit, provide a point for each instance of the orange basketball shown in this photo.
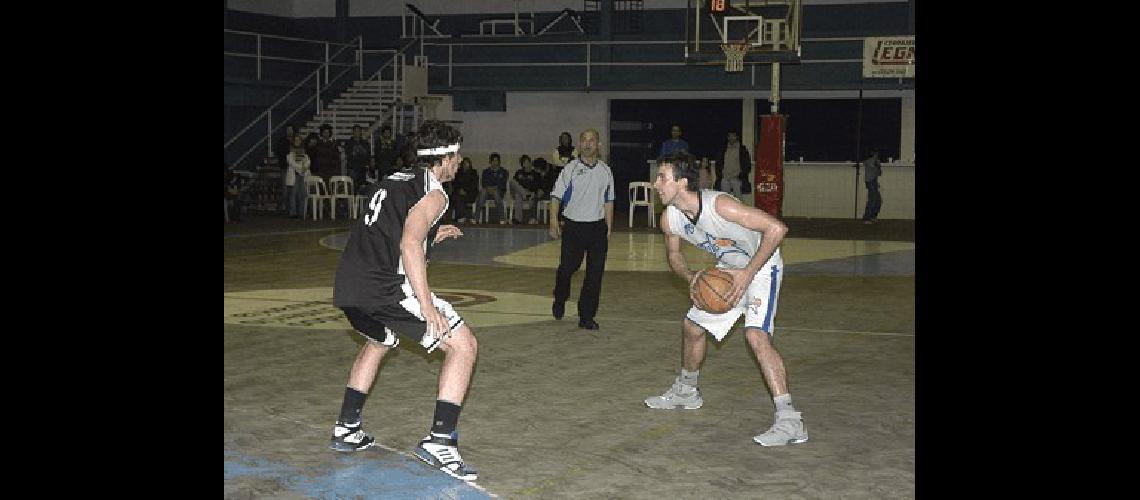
(711, 290)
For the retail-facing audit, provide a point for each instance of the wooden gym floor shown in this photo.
(554, 411)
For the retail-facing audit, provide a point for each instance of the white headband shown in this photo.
(438, 151)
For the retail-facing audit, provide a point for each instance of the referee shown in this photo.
(585, 190)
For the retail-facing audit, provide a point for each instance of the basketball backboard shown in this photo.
(771, 28)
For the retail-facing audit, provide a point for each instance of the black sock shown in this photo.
(353, 404)
(446, 417)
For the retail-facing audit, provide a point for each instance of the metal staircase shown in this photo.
(369, 102)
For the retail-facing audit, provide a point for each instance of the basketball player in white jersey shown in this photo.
(745, 241)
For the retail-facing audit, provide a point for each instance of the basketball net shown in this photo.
(734, 56)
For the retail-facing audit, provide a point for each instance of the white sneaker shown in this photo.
(442, 451)
(679, 396)
(788, 429)
(348, 438)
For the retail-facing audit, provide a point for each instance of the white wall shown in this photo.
(531, 125)
(314, 8)
(828, 190)
(282, 8)
(534, 120)
(907, 149)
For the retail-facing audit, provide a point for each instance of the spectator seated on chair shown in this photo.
(464, 192)
(495, 187)
(237, 194)
(357, 152)
(371, 174)
(387, 149)
(526, 187)
(543, 170)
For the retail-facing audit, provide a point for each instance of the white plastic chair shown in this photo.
(341, 188)
(318, 193)
(543, 211)
(359, 204)
(641, 196)
(511, 209)
(507, 211)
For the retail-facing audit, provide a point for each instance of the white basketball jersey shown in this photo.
(732, 244)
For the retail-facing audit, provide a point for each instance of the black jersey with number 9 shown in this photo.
(371, 271)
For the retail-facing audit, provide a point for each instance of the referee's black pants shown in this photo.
(580, 238)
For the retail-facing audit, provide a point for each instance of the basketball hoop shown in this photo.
(734, 56)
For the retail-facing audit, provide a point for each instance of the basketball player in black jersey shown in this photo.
(381, 285)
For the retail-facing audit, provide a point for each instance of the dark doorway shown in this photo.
(638, 127)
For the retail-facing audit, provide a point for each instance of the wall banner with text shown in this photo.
(888, 57)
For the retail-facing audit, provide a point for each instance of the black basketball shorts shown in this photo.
(384, 323)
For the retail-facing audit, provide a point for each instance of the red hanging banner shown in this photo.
(769, 172)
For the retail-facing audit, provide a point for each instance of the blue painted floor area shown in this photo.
(372, 473)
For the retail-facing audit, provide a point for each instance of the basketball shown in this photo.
(711, 290)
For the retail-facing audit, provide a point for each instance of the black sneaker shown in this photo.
(441, 451)
(588, 324)
(558, 309)
(349, 438)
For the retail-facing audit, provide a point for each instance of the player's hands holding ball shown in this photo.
(740, 280)
(717, 290)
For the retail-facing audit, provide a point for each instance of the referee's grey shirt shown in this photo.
(584, 191)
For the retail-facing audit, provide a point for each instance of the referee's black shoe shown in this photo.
(558, 309)
(588, 324)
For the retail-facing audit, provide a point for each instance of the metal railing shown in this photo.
(586, 61)
(392, 67)
(267, 115)
(260, 56)
(396, 63)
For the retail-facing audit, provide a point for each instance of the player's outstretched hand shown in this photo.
(447, 231)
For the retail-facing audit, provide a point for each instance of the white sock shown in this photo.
(690, 377)
(784, 403)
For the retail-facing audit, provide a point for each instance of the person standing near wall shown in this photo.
(874, 169)
(295, 191)
(706, 175)
(733, 168)
(675, 142)
(564, 152)
(281, 151)
(585, 189)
